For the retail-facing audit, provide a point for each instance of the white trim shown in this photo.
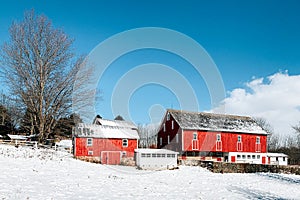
(177, 138)
(172, 124)
(164, 127)
(168, 139)
(182, 140)
(160, 141)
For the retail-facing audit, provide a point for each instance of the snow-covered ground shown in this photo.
(45, 174)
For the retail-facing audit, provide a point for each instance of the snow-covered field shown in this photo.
(46, 174)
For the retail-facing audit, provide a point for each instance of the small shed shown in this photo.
(277, 158)
(155, 159)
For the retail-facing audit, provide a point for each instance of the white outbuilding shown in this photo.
(155, 159)
(277, 158)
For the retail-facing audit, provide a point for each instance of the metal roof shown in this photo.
(103, 128)
(215, 122)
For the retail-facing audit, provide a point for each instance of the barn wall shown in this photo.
(207, 142)
(173, 144)
(100, 144)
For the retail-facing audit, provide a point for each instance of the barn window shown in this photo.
(163, 155)
(258, 156)
(172, 124)
(160, 141)
(253, 156)
(283, 158)
(89, 142)
(248, 156)
(276, 158)
(168, 139)
(148, 155)
(257, 140)
(177, 138)
(219, 137)
(158, 155)
(154, 155)
(238, 156)
(168, 116)
(90, 153)
(143, 155)
(244, 156)
(125, 143)
(239, 138)
(169, 155)
(195, 136)
(164, 127)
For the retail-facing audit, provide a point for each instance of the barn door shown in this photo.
(263, 160)
(239, 146)
(195, 145)
(232, 158)
(219, 146)
(111, 157)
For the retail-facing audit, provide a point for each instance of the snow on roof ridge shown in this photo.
(215, 122)
(212, 114)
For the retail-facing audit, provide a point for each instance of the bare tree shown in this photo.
(297, 131)
(148, 135)
(273, 139)
(40, 69)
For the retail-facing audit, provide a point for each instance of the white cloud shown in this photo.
(275, 98)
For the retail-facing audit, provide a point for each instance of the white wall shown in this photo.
(156, 160)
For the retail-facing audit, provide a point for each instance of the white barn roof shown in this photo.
(215, 122)
(108, 129)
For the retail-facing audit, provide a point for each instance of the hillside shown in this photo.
(45, 174)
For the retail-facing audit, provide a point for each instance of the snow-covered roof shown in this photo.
(215, 122)
(108, 129)
(276, 155)
(17, 137)
(155, 151)
(64, 143)
(114, 123)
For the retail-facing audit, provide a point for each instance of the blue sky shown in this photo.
(246, 40)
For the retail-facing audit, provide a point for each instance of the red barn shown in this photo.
(211, 136)
(106, 141)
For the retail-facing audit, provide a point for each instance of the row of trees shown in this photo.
(289, 145)
(38, 68)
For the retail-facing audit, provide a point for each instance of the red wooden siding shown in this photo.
(103, 144)
(229, 142)
(207, 140)
(171, 132)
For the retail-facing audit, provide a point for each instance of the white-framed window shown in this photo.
(124, 154)
(164, 127)
(218, 137)
(168, 116)
(195, 136)
(90, 153)
(89, 142)
(168, 139)
(172, 124)
(125, 143)
(257, 140)
(258, 156)
(239, 138)
(177, 138)
(160, 141)
(143, 155)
